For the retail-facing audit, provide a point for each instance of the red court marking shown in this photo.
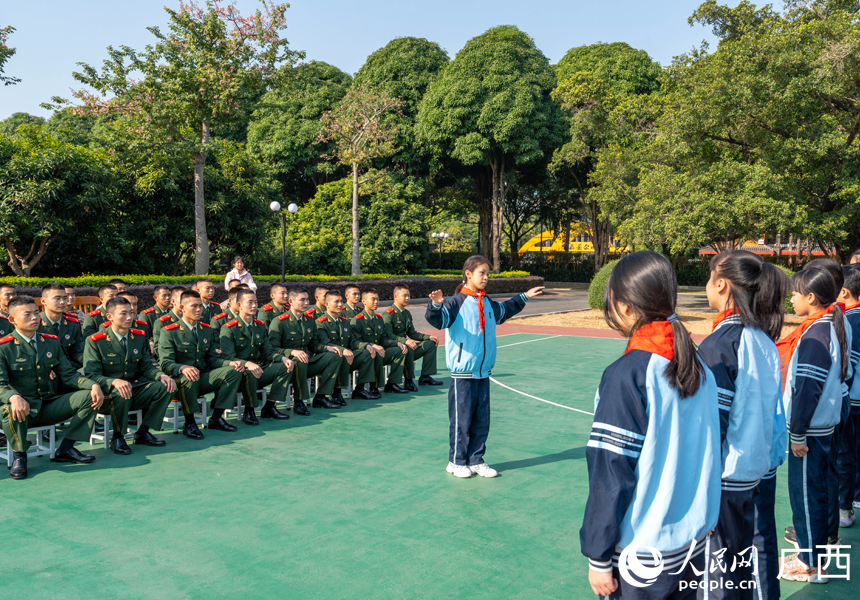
(508, 329)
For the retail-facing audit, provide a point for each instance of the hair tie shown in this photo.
(673, 317)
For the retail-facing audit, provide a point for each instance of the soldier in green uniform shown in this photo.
(247, 339)
(398, 324)
(369, 330)
(172, 316)
(27, 396)
(206, 289)
(295, 333)
(7, 292)
(74, 312)
(279, 305)
(136, 323)
(186, 351)
(319, 309)
(97, 317)
(119, 360)
(231, 313)
(54, 320)
(335, 334)
(161, 295)
(352, 295)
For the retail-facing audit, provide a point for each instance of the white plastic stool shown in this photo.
(179, 418)
(106, 435)
(38, 448)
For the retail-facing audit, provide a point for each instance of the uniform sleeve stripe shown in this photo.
(813, 368)
(615, 439)
(445, 318)
(612, 448)
(810, 376)
(503, 311)
(625, 432)
(525, 297)
(725, 393)
(600, 566)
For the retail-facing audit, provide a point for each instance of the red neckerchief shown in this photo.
(841, 305)
(722, 315)
(852, 307)
(787, 345)
(480, 296)
(655, 337)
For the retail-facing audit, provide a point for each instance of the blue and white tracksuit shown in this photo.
(745, 363)
(813, 406)
(653, 472)
(847, 457)
(470, 352)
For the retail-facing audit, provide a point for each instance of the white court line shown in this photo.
(493, 379)
(527, 341)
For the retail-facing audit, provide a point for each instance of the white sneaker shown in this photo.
(461, 471)
(484, 470)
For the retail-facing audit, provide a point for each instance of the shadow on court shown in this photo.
(571, 454)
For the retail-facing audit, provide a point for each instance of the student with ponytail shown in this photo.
(741, 352)
(654, 450)
(815, 364)
(470, 348)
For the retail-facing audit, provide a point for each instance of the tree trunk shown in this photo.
(485, 214)
(22, 266)
(498, 167)
(356, 258)
(201, 239)
(778, 249)
(792, 259)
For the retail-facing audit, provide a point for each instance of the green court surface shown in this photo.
(353, 503)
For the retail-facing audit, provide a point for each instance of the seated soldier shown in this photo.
(232, 311)
(319, 309)
(94, 319)
(161, 295)
(119, 284)
(398, 325)
(186, 351)
(206, 289)
(247, 339)
(335, 335)
(278, 306)
(353, 307)
(56, 321)
(7, 292)
(27, 396)
(295, 333)
(119, 360)
(72, 310)
(172, 316)
(230, 286)
(136, 323)
(369, 330)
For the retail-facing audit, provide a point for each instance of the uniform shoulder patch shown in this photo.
(259, 322)
(359, 316)
(95, 313)
(106, 324)
(320, 320)
(231, 323)
(378, 315)
(344, 318)
(4, 318)
(284, 317)
(390, 310)
(205, 325)
(149, 310)
(219, 316)
(164, 318)
(267, 307)
(8, 338)
(137, 331)
(72, 319)
(310, 313)
(171, 326)
(98, 336)
(141, 322)
(49, 335)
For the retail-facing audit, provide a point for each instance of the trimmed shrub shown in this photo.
(787, 307)
(598, 285)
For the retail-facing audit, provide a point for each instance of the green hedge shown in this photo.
(598, 284)
(97, 280)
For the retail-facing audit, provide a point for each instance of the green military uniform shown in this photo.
(68, 331)
(289, 333)
(250, 343)
(93, 320)
(27, 373)
(5, 326)
(350, 312)
(105, 360)
(209, 311)
(398, 325)
(269, 312)
(179, 346)
(158, 326)
(315, 312)
(151, 315)
(335, 331)
(369, 328)
(218, 320)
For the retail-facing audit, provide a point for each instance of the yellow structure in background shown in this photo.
(548, 242)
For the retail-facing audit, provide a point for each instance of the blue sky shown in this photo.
(53, 35)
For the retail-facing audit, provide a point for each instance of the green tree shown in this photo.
(75, 129)
(5, 54)
(490, 109)
(48, 188)
(195, 80)
(631, 72)
(285, 128)
(361, 133)
(16, 120)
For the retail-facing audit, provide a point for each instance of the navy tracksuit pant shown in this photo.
(847, 461)
(807, 491)
(734, 532)
(765, 540)
(469, 412)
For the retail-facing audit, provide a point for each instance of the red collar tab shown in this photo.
(656, 337)
(722, 316)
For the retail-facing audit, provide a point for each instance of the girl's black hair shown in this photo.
(831, 266)
(471, 264)
(645, 281)
(819, 282)
(756, 288)
(236, 259)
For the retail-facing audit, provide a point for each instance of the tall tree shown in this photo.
(287, 122)
(490, 109)
(5, 54)
(361, 133)
(196, 79)
(15, 120)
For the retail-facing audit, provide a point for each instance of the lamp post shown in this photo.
(293, 208)
(441, 236)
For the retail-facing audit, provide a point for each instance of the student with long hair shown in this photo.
(748, 294)
(815, 360)
(470, 350)
(654, 450)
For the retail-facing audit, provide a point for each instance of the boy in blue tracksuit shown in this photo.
(847, 459)
(470, 349)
